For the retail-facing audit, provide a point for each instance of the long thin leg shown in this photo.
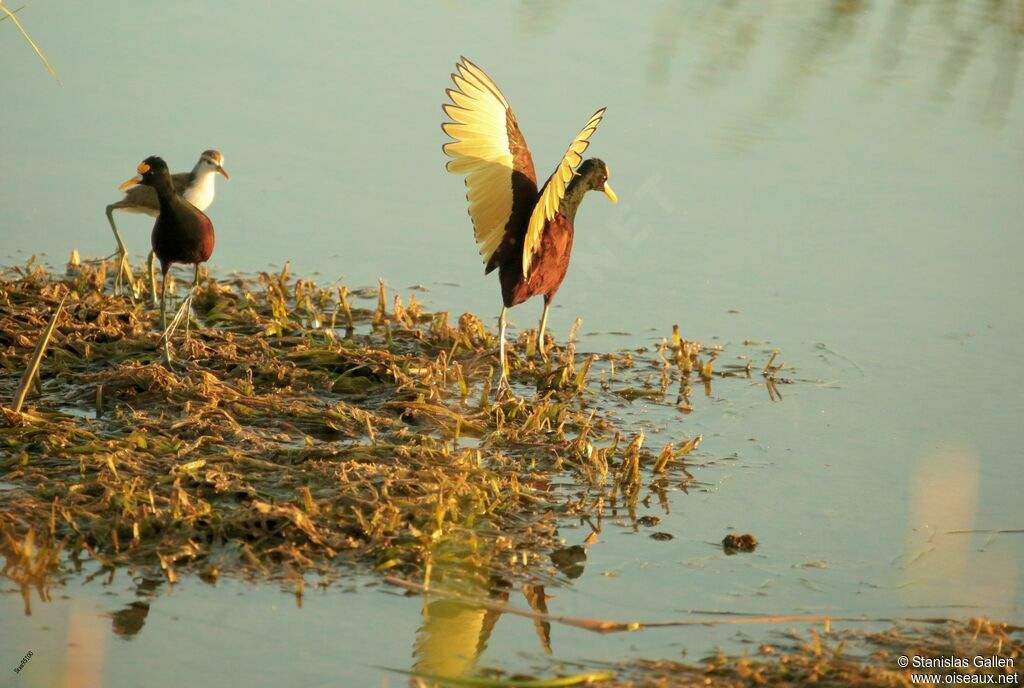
(543, 324)
(152, 277)
(504, 367)
(163, 316)
(110, 218)
(122, 255)
(195, 286)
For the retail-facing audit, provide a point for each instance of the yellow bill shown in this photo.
(610, 194)
(142, 169)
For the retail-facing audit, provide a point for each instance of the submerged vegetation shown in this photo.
(301, 432)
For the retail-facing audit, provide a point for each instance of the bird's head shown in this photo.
(214, 161)
(594, 172)
(151, 172)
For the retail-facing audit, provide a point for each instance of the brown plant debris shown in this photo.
(298, 433)
(845, 657)
(733, 543)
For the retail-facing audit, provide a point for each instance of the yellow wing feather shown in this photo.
(554, 190)
(482, 151)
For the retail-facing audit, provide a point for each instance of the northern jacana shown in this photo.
(181, 233)
(525, 233)
(196, 186)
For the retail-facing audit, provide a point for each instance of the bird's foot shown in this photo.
(168, 332)
(176, 365)
(504, 388)
(168, 358)
(182, 314)
(187, 306)
(123, 273)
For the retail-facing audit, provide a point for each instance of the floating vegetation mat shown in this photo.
(984, 652)
(298, 432)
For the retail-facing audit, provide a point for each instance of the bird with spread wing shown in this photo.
(525, 233)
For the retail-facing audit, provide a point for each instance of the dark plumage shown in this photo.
(181, 234)
(525, 233)
(552, 258)
(197, 187)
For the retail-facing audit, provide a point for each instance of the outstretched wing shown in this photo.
(554, 190)
(490, 150)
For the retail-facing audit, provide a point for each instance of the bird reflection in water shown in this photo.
(455, 632)
(128, 622)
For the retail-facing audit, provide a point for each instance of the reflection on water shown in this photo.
(929, 45)
(129, 621)
(726, 33)
(536, 17)
(85, 656)
(951, 560)
(912, 238)
(570, 560)
(455, 631)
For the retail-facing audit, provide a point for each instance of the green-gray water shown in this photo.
(846, 176)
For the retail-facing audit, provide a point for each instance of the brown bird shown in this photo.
(196, 186)
(527, 234)
(181, 234)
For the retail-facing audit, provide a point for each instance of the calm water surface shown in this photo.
(840, 180)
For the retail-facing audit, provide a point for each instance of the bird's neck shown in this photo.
(164, 190)
(200, 189)
(573, 196)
